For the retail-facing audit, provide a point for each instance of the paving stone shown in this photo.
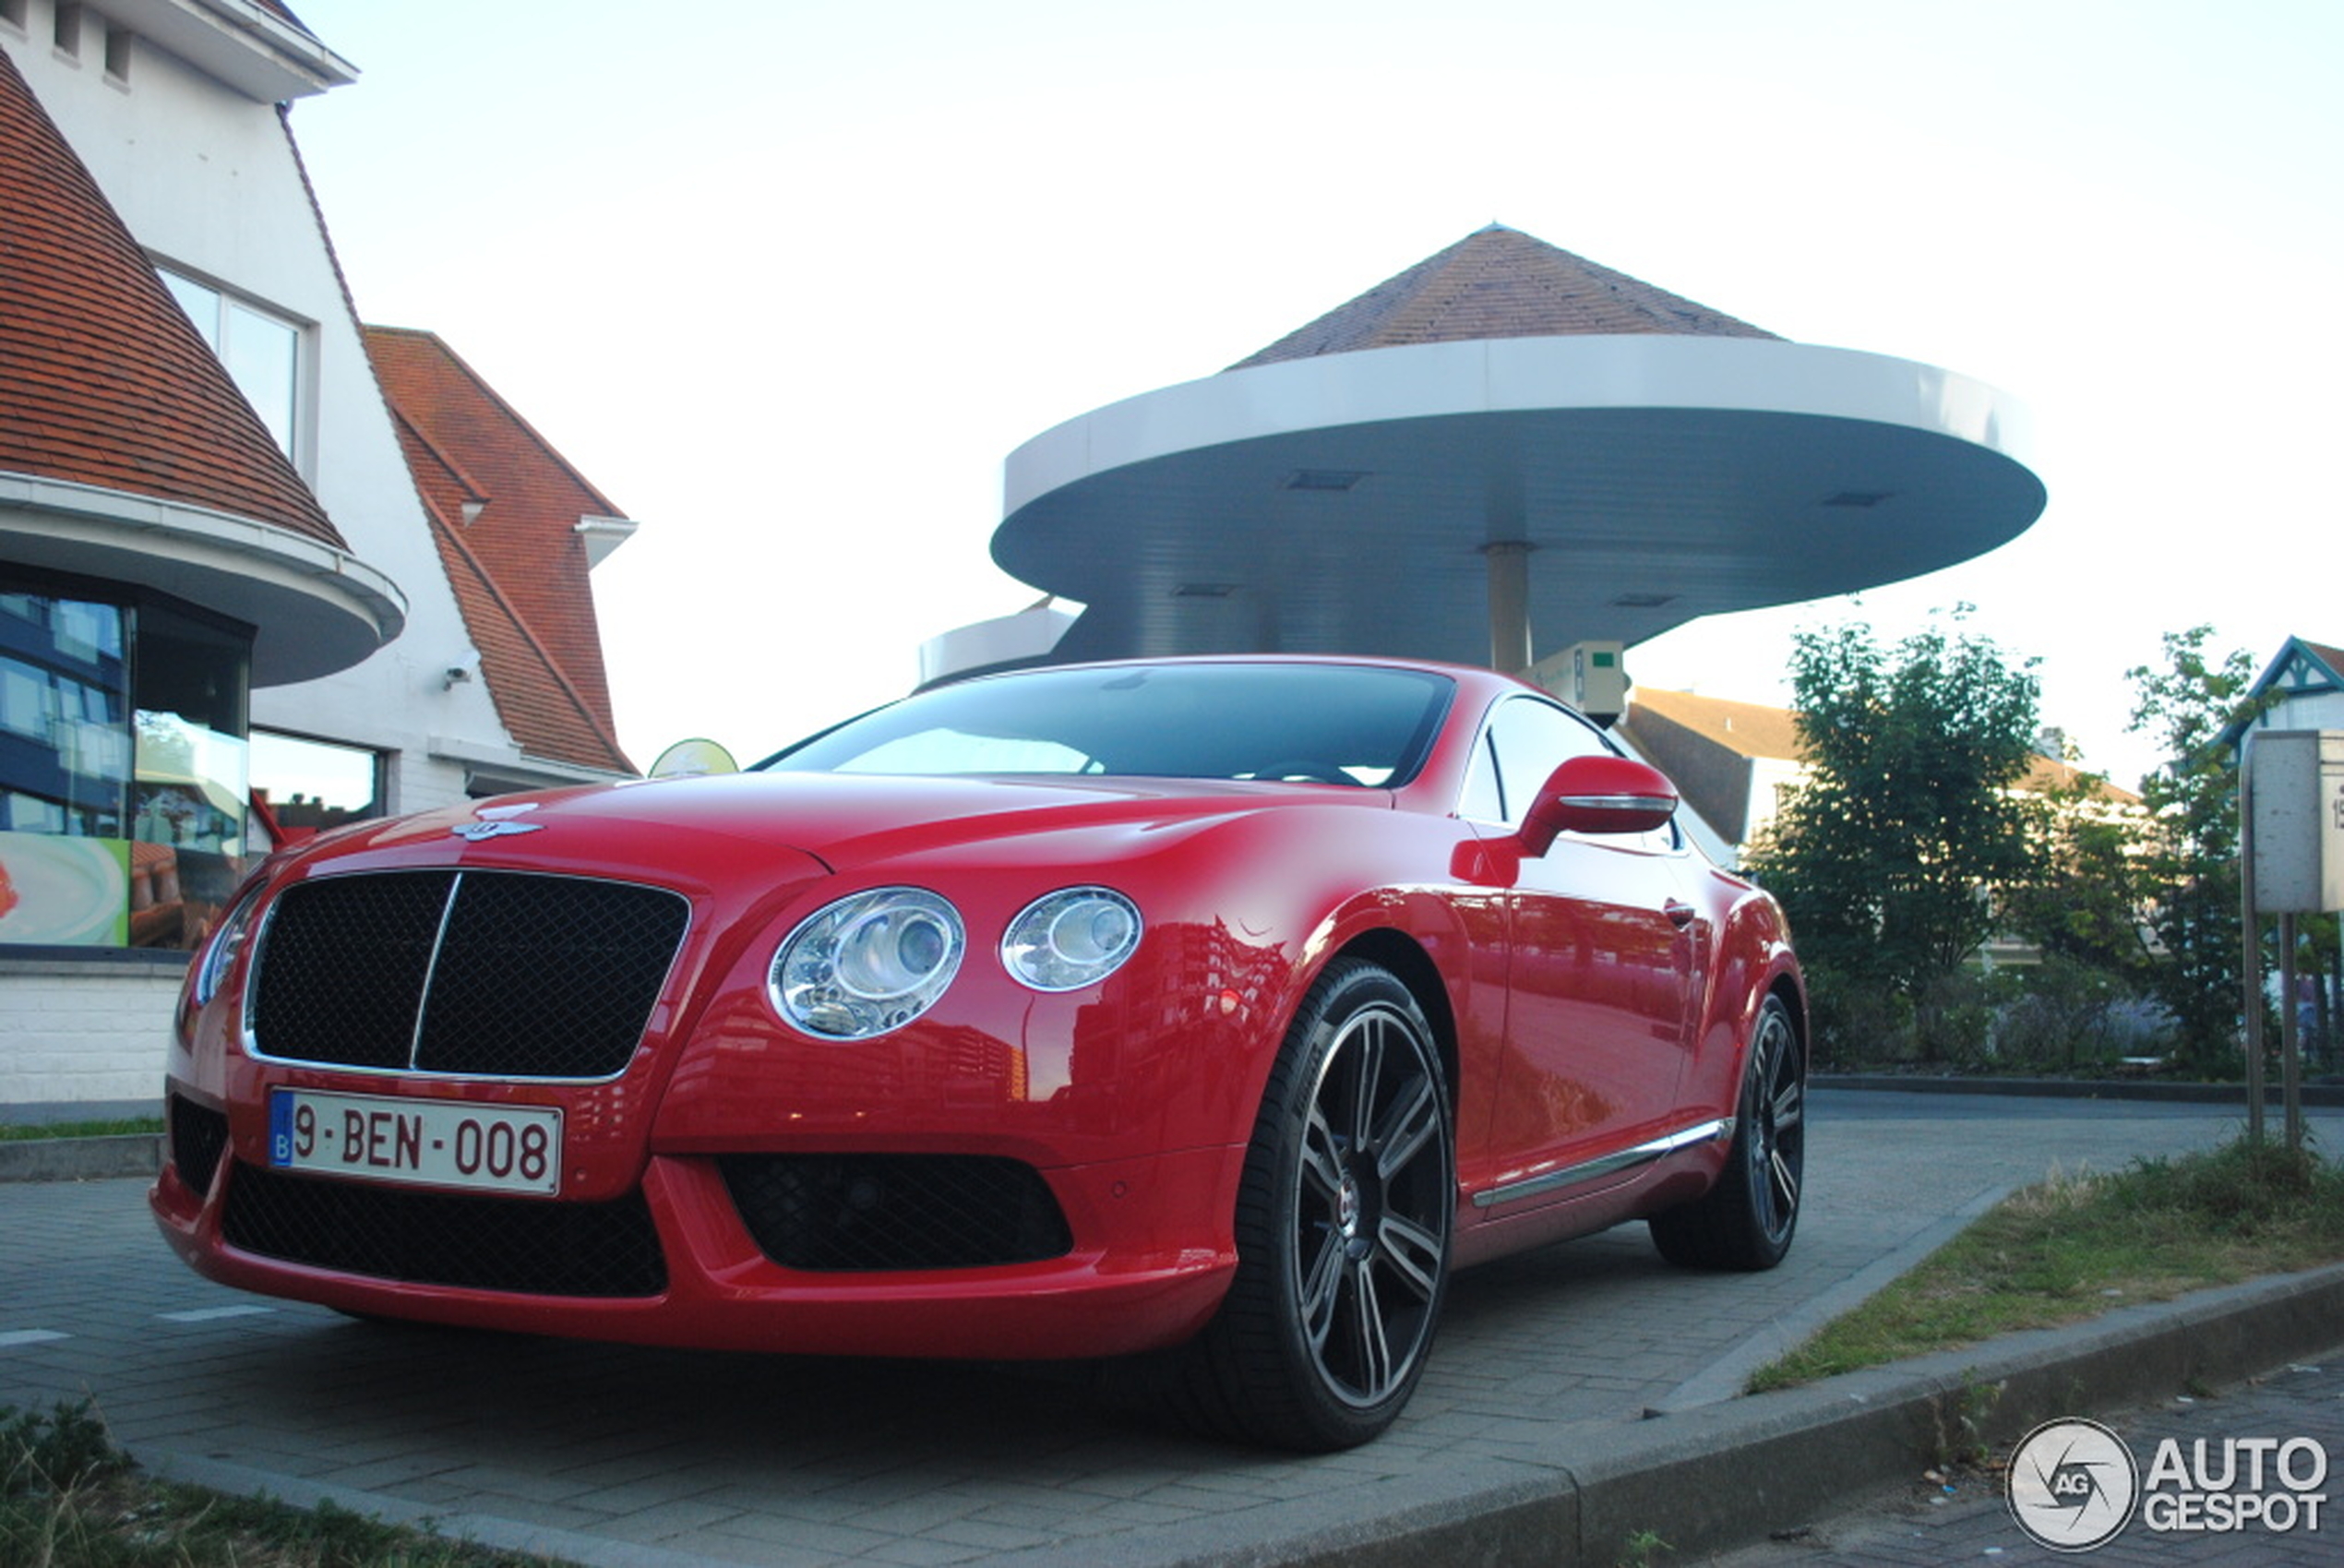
(792, 1463)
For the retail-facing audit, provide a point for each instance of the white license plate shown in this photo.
(426, 1143)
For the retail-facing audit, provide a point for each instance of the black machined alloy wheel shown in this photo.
(1747, 1220)
(1368, 1238)
(1343, 1227)
(1777, 1109)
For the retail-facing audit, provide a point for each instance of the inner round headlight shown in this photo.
(870, 963)
(1073, 938)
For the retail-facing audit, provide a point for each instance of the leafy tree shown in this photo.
(2193, 858)
(1886, 857)
(2087, 902)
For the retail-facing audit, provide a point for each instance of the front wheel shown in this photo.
(1343, 1227)
(1746, 1220)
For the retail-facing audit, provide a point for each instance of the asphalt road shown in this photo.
(619, 1454)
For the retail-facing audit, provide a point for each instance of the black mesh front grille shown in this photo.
(866, 1211)
(533, 1247)
(497, 973)
(198, 1137)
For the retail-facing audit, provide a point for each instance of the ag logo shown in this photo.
(496, 821)
(2072, 1485)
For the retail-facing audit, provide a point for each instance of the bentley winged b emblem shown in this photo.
(496, 821)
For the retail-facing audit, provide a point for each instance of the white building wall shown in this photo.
(2307, 711)
(206, 180)
(79, 1033)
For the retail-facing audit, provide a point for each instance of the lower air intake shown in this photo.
(528, 1247)
(860, 1213)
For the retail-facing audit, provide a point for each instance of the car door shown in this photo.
(1602, 952)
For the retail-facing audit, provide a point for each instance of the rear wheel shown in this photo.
(1747, 1219)
(1342, 1228)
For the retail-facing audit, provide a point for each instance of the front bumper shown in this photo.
(674, 1262)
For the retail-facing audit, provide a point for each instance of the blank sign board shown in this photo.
(2296, 781)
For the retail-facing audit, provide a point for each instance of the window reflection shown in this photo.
(125, 775)
(307, 786)
(65, 744)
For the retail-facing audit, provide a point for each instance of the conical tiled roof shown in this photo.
(103, 381)
(1500, 282)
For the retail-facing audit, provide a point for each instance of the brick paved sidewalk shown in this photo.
(628, 1457)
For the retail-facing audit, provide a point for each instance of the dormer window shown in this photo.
(260, 349)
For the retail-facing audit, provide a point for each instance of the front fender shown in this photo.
(1753, 960)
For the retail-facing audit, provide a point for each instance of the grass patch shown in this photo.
(27, 1132)
(70, 1499)
(2076, 1245)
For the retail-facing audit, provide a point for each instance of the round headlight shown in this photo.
(870, 963)
(1073, 938)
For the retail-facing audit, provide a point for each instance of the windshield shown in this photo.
(1330, 723)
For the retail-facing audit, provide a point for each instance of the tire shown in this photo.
(1343, 1229)
(1746, 1221)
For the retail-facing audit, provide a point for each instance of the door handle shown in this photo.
(1679, 913)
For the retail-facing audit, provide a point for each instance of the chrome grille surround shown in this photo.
(461, 974)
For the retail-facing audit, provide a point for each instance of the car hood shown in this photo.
(843, 820)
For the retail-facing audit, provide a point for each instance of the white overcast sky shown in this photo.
(789, 278)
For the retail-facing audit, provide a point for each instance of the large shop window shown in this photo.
(260, 350)
(302, 787)
(124, 772)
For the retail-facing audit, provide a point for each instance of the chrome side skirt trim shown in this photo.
(1610, 1165)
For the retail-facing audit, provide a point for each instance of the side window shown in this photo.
(1525, 741)
(1482, 801)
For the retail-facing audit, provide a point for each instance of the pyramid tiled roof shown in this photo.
(103, 381)
(504, 508)
(1500, 282)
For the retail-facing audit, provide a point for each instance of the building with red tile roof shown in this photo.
(246, 588)
(114, 414)
(517, 529)
(1732, 761)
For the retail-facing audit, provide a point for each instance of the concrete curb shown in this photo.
(80, 1159)
(1732, 1474)
(1727, 1476)
(2325, 1095)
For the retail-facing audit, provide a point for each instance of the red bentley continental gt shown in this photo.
(1215, 1008)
